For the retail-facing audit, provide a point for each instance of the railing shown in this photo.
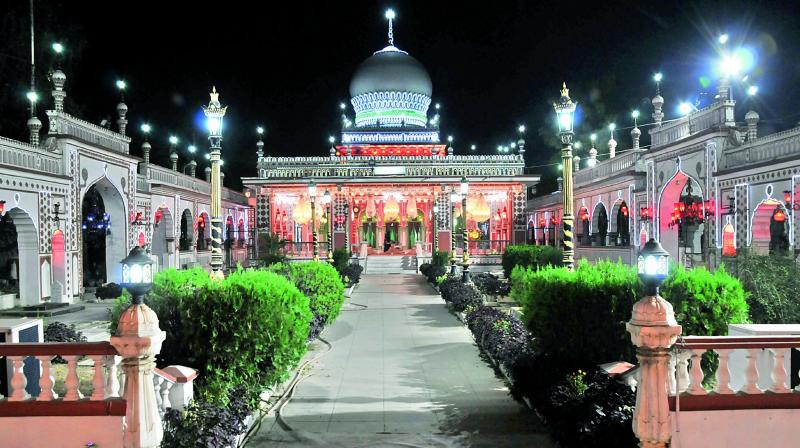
(104, 399)
(716, 114)
(27, 156)
(608, 167)
(62, 123)
(305, 249)
(486, 247)
(752, 373)
(768, 148)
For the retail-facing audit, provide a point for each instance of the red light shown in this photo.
(159, 215)
(2, 207)
(787, 197)
(779, 216)
(541, 222)
(624, 210)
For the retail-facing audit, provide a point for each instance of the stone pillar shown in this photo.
(138, 341)
(34, 126)
(653, 331)
(635, 135)
(173, 158)
(59, 78)
(122, 122)
(752, 125)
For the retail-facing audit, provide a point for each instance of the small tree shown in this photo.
(271, 249)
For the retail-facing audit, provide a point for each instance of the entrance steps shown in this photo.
(391, 264)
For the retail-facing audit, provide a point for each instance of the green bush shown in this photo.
(247, 330)
(705, 302)
(321, 284)
(440, 258)
(530, 257)
(772, 282)
(341, 258)
(271, 249)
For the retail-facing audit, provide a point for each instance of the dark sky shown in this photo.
(494, 65)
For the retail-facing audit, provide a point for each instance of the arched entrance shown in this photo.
(19, 256)
(59, 268)
(187, 231)
(103, 225)
(584, 235)
(163, 237)
(599, 225)
(620, 224)
(682, 242)
(203, 232)
(770, 228)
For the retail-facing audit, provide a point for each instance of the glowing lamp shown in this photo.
(779, 216)
(58, 47)
(146, 128)
(787, 196)
(137, 274)
(752, 90)
(192, 149)
(32, 96)
(312, 189)
(685, 108)
(173, 140)
(464, 186)
(658, 77)
(653, 266)
(214, 125)
(624, 210)
(541, 222)
(391, 210)
(260, 130)
(565, 111)
(2, 208)
(121, 85)
(390, 14)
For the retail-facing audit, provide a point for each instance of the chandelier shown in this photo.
(478, 209)
(391, 210)
(690, 210)
(301, 214)
(411, 208)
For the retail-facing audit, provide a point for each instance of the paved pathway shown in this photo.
(402, 372)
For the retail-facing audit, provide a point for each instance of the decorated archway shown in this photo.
(187, 231)
(104, 231)
(583, 227)
(599, 225)
(163, 236)
(59, 267)
(19, 256)
(620, 224)
(203, 226)
(769, 228)
(673, 237)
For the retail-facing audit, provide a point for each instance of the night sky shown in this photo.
(494, 65)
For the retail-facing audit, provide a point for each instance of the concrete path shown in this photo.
(402, 372)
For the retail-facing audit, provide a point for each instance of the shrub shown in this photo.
(61, 332)
(772, 282)
(352, 273)
(321, 284)
(271, 249)
(424, 268)
(203, 423)
(341, 259)
(705, 302)
(507, 341)
(248, 330)
(463, 296)
(436, 271)
(528, 256)
(448, 285)
(440, 258)
(108, 291)
(490, 284)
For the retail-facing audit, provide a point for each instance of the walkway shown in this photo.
(402, 372)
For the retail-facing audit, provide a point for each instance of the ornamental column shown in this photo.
(215, 113)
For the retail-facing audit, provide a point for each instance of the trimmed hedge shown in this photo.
(490, 284)
(321, 284)
(530, 257)
(772, 282)
(440, 258)
(351, 274)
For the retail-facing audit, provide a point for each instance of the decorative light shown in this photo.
(473, 147)
(612, 126)
(685, 108)
(658, 77)
(731, 65)
(342, 106)
(121, 85)
(752, 90)
(635, 114)
(653, 266)
(779, 215)
(260, 130)
(208, 156)
(391, 210)
(301, 214)
(450, 139)
(173, 140)
(521, 129)
(411, 208)
(192, 149)
(390, 14)
(146, 128)
(593, 137)
(221, 162)
(57, 47)
(723, 38)
(32, 96)
(331, 139)
(137, 274)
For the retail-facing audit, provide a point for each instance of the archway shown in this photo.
(163, 235)
(620, 224)
(187, 231)
(769, 228)
(203, 232)
(675, 237)
(19, 256)
(599, 225)
(241, 233)
(59, 267)
(584, 235)
(103, 224)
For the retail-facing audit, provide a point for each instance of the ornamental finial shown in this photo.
(390, 17)
(564, 91)
(214, 94)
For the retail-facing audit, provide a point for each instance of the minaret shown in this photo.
(192, 167)
(260, 144)
(34, 126)
(635, 132)
(521, 141)
(146, 151)
(576, 162)
(122, 122)
(59, 78)
(658, 101)
(173, 152)
(592, 153)
(612, 144)
(752, 125)
(450, 150)
(208, 174)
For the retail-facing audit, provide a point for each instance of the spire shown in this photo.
(612, 144)
(592, 153)
(59, 78)
(390, 16)
(658, 100)
(521, 141)
(576, 163)
(635, 132)
(208, 174)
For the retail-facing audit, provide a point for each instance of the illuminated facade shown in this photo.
(390, 178)
(706, 187)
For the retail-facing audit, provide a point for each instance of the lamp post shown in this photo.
(312, 195)
(653, 331)
(565, 114)
(465, 254)
(453, 200)
(330, 226)
(137, 274)
(215, 113)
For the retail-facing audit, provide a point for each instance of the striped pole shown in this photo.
(567, 218)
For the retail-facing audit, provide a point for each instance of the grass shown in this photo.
(85, 374)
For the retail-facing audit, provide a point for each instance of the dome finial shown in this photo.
(390, 16)
(564, 90)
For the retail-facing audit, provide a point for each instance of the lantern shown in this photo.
(779, 216)
(565, 111)
(137, 274)
(653, 266)
(158, 216)
(301, 214)
(728, 241)
(624, 210)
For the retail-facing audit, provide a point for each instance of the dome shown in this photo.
(751, 116)
(391, 89)
(391, 70)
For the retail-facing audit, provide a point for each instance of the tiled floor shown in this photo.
(402, 372)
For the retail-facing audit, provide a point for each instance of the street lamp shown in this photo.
(653, 266)
(327, 196)
(137, 274)
(215, 113)
(565, 114)
(465, 236)
(453, 200)
(312, 195)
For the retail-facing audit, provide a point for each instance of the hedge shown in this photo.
(772, 283)
(530, 257)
